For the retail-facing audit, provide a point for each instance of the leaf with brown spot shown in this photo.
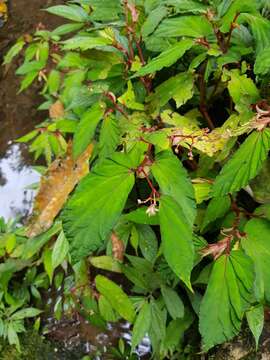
(57, 110)
(58, 182)
(118, 247)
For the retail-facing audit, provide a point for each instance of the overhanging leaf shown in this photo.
(190, 26)
(85, 43)
(166, 58)
(244, 164)
(141, 325)
(109, 136)
(116, 297)
(216, 208)
(262, 63)
(96, 205)
(153, 19)
(173, 181)
(74, 13)
(227, 297)
(176, 236)
(86, 128)
(257, 246)
(242, 90)
(179, 88)
(255, 318)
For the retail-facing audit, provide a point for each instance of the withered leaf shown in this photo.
(55, 186)
(118, 247)
(57, 110)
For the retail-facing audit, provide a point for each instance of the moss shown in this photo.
(33, 347)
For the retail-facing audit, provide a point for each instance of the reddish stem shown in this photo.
(154, 191)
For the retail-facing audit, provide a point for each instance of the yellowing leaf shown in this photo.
(208, 143)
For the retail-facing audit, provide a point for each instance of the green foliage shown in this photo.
(174, 97)
(244, 165)
(230, 284)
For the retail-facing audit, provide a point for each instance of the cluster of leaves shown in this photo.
(170, 101)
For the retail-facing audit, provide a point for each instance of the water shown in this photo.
(16, 177)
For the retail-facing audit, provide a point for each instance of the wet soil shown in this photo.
(18, 112)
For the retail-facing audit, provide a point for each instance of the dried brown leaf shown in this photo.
(57, 110)
(118, 247)
(58, 182)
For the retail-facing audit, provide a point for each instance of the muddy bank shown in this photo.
(18, 112)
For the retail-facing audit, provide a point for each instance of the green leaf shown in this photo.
(33, 245)
(12, 336)
(158, 325)
(187, 6)
(176, 330)
(216, 209)
(128, 99)
(74, 13)
(96, 205)
(148, 243)
(176, 214)
(227, 297)
(173, 302)
(31, 135)
(106, 310)
(242, 90)
(176, 235)
(166, 58)
(260, 28)
(116, 297)
(134, 238)
(25, 313)
(86, 128)
(60, 250)
(141, 325)
(190, 26)
(262, 63)
(257, 245)
(54, 80)
(173, 181)
(179, 88)
(10, 242)
(66, 29)
(236, 7)
(109, 136)
(152, 21)
(85, 43)
(13, 51)
(47, 261)
(140, 216)
(105, 10)
(255, 318)
(106, 263)
(28, 79)
(244, 164)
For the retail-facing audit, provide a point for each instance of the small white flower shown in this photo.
(152, 210)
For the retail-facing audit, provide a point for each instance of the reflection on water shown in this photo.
(15, 176)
